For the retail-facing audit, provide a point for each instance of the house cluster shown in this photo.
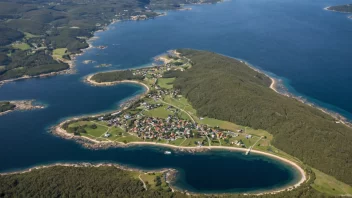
(153, 72)
(170, 128)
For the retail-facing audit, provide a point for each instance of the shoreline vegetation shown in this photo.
(18, 105)
(46, 41)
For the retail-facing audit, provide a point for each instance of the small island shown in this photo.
(341, 8)
(22, 105)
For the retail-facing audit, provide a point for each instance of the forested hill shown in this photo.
(227, 89)
(341, 8)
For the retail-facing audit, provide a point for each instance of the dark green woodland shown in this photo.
(236, 93)
(115, 76)
(6, 106)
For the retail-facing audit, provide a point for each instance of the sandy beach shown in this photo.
(89, 80)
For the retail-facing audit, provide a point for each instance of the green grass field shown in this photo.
(128, 139)
(181, 103)
(99, 131)
(21, 46)
(166, 83)
(159, 112)
(190, 141)
(177, 142)
(59, 52)
(29, 35)
(150, 180)
(329, 185)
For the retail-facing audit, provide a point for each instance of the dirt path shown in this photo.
(144, 185)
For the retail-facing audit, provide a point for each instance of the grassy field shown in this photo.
(59, 52)
(177, 142)
(166, 83)
(159, 112)
(150, 180)
(29, 35)
(21, 46)
(191, 141)
(181, 103)
(329, 185)
(128, 139)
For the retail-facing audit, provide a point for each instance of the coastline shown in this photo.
(339, 118)
(85, 164)
(89, 80)
(274, 83)
(70, 70)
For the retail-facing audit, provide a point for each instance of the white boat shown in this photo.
(167, 152)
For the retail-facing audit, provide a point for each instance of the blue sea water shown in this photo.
(297, 40)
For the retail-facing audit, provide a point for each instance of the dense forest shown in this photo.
(59, 181)
(34, 29)
(5, 106)
(236, 93)
(115, 76)
(104, 181)
(341, 8)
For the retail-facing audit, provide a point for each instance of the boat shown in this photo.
(167, 152)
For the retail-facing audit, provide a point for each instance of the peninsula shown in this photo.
(186, 108)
